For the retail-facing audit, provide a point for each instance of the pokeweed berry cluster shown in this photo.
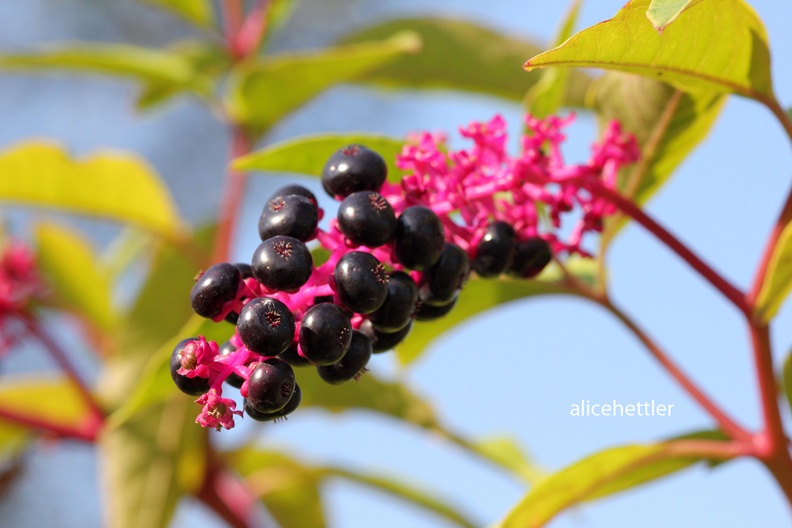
(398, 253)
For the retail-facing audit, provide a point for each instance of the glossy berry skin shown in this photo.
(441, 282)
(292, 357)
(353, 168)
(366, 219)
(298, 190)
(292, 215)
(270, 385)
(193, 386)
(427, 312)
(246, 271)
(494, 251)
(282, 263)
(233, 379)
(352, 364)
(382, 341)
(361, 282)
(397, 310)
(325, 334)
(530, 257)
(419, 238)
(266, 326)
(294, 402)
(213, 288)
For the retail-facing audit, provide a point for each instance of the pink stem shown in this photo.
(232, 202)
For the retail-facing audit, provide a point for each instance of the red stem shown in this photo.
(248, 38)
(228, 496)
(761, 271)
(62, 359)
(232, 201)
(726, 423)
(633, 211)
(233, 12)
(88, 433)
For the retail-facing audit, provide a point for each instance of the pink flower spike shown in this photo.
(217, 412)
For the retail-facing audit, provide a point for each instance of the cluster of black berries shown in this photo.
(391, 263)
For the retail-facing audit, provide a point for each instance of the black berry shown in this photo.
(366, 219)
(292, 357)
(184, 356)
(270, 386)
(259, 416)
(495, 250)
(419, 237)
(353, 168)
(282, 263)
(441, 282)
(428, 312)
(361, 282)
(399, 305)
(213, 288)
(266, 326)
(383, 341)
(292, 215)
(352, 364)
(233, 379)
(325, 334)
(530, 257)
(298, 190)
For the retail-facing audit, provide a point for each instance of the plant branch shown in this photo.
(633, 211)
(233, 13)
(784, 119)
(725, 422)
(85, 434)
(761, 271)
(62, 359)
(232, 201)
(251, 34)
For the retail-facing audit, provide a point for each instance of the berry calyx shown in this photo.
(282, 263)
(270, 386)
(266, 326)
(361, 282)
(185, 358)
(366, 219)
(291, 215)
(291, 406)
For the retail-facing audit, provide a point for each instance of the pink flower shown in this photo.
(197, 358)
(217, 412)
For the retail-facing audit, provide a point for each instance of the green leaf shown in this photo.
(308, 154)
(293, 79)
(603, 473)
(778, 279)
(729, 54)
(149, 462)
(369, 393)
(289, 489)
(461, 55)
(550, 93)
(199, 12)
(506, 452)
(482, 294)
(787, 379)
(112, 186)
(408, 492)
(158, 67)
(80, 283)
(661, 13)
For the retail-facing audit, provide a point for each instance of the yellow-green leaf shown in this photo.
(778, 278)
(661, 13)
(52, 399)
(143, 64)
(308, 154)
(199, 12)
(787, 379)
(550, 93)
(149, 462)
(603, 473)
(712, 45)
(461, 55)
(266, 89)
(368, 393)
(77, 278)
(108, 185)
(482, 294)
